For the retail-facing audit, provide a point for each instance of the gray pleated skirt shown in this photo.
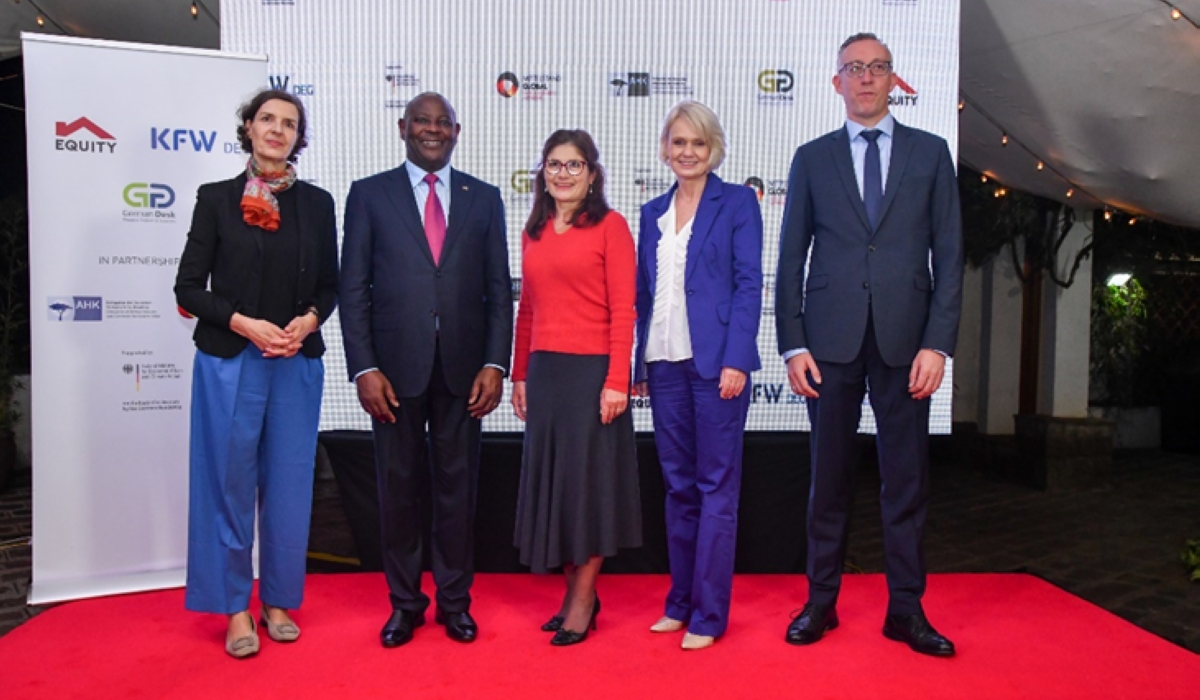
(579, 494)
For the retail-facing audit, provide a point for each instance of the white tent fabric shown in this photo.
(1101, 91)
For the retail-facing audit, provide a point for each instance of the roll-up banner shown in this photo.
(119, 138)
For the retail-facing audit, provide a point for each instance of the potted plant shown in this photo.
(1118, 353)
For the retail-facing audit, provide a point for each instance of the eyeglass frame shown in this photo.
(554, 167)
(864, 68)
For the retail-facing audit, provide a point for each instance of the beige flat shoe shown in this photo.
(692, 642)
(242, 647)
(284, 632)
(666, 624)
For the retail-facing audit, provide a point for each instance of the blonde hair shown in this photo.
(703, 120)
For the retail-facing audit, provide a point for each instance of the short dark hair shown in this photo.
(249, 110)
(861, 36)
(594, 207)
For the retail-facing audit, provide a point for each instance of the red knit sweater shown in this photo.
(577, 296)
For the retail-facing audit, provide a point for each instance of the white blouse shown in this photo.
(669, 338)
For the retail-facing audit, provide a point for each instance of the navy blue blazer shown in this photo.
(723, 278)
(397, 306)
(855, 269)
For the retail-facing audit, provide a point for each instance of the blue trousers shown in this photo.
(699, 440)
(254, 432)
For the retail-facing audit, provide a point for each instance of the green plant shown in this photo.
(1118, 341)
(1191, 559)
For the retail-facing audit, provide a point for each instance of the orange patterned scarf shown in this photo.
(259, 206)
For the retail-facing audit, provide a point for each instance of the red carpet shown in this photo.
(1018, 637)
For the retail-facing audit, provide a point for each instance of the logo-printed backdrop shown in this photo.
(119, 138)
(516, 71)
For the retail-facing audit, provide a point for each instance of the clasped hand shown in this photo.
(272, 340)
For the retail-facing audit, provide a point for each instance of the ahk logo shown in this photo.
(151, 195)
(281, 82)
(629, 85)
(103, 142)
(507, 84)
(179, 139)
(776, 80)
(64, 309)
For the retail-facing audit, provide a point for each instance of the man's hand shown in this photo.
(518, 399)
(612, 404)
(799, 367)
(485, 392)
(926, 375)
(732, 382)
(376, 396)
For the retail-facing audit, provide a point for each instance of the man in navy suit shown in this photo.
(876, 204)
(427, 324)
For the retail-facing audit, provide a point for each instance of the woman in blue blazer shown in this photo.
(699, 298)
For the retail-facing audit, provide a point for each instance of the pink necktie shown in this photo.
(435, 219)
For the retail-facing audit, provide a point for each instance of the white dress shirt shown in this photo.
(669, 337)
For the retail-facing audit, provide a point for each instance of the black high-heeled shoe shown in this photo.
(565, 637)
(555, 623)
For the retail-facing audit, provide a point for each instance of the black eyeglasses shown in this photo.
(574, 167)
(855, 69)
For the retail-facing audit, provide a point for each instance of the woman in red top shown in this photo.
(578, 500)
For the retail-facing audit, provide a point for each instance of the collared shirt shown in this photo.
(421, 188)
(669, 337)
(858, 148)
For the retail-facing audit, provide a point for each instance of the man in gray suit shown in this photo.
(876, 203)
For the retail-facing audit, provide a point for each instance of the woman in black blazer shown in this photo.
(259, 273)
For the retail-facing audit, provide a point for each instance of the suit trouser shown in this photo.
(699, 439)
(902, 442)
(407, 470)
(253, 430)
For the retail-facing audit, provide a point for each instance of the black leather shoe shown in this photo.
(399, 628)
(459, 625)
(918, 634)
(811, 624)
(564, 637)
(554, 624)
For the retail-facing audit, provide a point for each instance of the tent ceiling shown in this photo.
(1100, 90)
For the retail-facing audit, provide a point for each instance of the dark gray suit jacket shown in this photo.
(393, 296)
(908, 270)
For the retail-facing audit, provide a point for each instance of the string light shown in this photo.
(1004, 140)
(1107, 214)
(41, 22)
(1175, 13)
(983, 178)
(195, 11)
(1070, 193)
(1041, 166)
(961, 104)
(1132, 220)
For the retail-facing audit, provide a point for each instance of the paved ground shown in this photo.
(1118, 546)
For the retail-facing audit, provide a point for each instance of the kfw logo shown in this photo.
(280, 82)
(179, 139)
(152, 195)
(64, 309)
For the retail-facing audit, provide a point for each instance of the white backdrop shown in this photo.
(518, 70)
(119, 138)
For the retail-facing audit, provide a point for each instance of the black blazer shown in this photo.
(221, 269)
(397, 304)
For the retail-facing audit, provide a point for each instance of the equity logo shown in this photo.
(907, 96)
(284, 83)
(63, 309)
(68, 137)
(168, 139)
(507, 84)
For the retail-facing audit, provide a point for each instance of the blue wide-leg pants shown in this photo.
(699, 439)
(253, 433)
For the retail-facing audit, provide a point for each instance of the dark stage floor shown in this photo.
(1117, 546)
